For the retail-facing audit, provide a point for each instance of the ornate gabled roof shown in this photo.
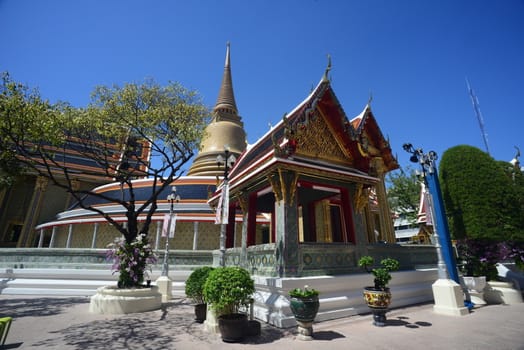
(318, 132)
(371, 141)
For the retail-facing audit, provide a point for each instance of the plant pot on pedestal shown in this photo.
(378, 302)
(304, 304)
(378, 297)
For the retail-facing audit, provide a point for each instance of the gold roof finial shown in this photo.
(328, 68)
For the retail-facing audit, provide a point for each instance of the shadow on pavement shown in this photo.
(402, 321)
(159, 329)
(327, 335)
(35, 307)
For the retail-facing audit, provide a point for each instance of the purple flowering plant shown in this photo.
(478, 257)
(131, 260)
(513, 251)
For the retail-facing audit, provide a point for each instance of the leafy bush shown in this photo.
(483, 200)
(227, 289)
(303, 293)
(195, 283)
(382, 274)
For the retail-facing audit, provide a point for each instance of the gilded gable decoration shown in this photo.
(317, 141)
(289, 146)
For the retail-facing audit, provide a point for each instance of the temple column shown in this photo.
(53, 237)
(243, 201)
(387, 231)
(41, 239)
(69, 236)
(157, 237)
(252, 220)
(195, 235)
(95, 233)
(31, 219)
(287, 245)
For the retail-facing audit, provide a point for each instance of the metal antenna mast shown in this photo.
(476, 107)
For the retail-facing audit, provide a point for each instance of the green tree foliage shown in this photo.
(24, 116)
(404, 192)
(480, 198)
(515, 176)
(37, 136)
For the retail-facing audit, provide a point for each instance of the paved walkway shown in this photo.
(65, 323)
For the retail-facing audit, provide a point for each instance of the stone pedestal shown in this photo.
(475, 287)
(211, 322)
(501, 293)
(379, 317)
(112, 300)
(305, 330)
(449, 299)
(165, 287)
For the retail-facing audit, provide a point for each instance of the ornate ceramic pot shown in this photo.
(378, 299)
(304, 309)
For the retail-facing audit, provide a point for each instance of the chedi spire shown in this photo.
(225, 130)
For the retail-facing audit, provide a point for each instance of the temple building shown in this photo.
(317, 160)
(304, 202)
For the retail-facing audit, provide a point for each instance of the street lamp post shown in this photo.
(171, 198)
(447, 291)
(227, 161)
(164, 283)
(427, 162)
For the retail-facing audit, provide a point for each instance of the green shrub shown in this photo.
(382, 274)
(303, 293)
(227, 289)
(195, 283)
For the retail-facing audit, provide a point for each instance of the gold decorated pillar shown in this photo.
(284, 184)
(386, 231)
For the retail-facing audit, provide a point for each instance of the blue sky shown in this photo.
(413, 56)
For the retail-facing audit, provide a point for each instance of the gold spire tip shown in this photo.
(328, 68)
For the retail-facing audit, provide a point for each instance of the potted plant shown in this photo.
(304, 304)
(195, 291)
(227, 291)
(378, 297)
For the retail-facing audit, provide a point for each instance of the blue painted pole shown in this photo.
(442, 223)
